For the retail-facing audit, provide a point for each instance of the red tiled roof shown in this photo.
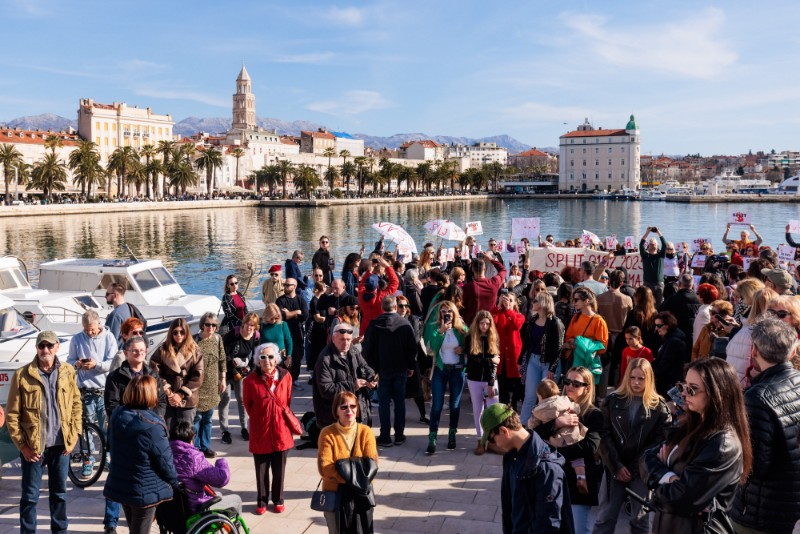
(594, 133)
(319, 135)
(532, 152)
(31, 137)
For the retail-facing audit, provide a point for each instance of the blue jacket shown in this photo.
(293, 271)
(534, 492)
(142, 471)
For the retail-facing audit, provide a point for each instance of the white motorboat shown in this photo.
(650, 195)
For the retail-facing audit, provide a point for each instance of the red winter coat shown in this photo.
(370, 309)
(268, 429)
(509, 324)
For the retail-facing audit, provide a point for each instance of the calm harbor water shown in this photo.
(201, 247)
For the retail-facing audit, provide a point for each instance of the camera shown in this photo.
(447, 317)
(654, 228)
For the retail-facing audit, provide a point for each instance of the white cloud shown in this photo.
(347, 16)
(351, 103)
(695, 47)
(173, 94)
(318, 57)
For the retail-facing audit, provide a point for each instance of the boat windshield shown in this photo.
(12, 279)
(152, 279)
(12, 324)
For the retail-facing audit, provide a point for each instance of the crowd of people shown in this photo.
(684, 390)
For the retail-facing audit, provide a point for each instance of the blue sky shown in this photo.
(714, 78)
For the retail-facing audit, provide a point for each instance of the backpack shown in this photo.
(137, 313)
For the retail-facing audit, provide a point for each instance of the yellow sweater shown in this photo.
(332, 447)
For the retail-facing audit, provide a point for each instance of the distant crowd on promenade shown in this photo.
(685, 389)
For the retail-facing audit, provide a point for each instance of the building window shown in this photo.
(622, 175)
(596, 162)
(609, 163)
(597, 176)
(105, 126)
(571, 150)
(596, 150)
(623, 162)
(584, 163)
(571, 163)
(97, 125)
(622, 149)
(571, 176)
(609, 176)
(609, 150)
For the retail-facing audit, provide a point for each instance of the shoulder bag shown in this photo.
(324, 501)
(567, 353)
(288, 416)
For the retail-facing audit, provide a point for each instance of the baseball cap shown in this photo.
(48, 336)
(779, 277)
(371, 283)
(492, 417)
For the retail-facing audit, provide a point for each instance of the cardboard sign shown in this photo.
(520, 248)
(794, 226)
(698, 242)
(451, 254)
(403, 251)
(475, 249)
(698, 261)
(501, 246)
(586, 241)
(679, 249)
(630, 242)
(554, 259)
(739, 217)
(592, 236)
(527, 227)
(786, 253)
(746, 261)
(611, 242)
(474, 228)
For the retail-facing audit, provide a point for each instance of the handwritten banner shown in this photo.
(786, 253)
(554, 259)
(739, 217)
(474, 228)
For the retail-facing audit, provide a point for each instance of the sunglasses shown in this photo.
(266, 357)
(575, 383)
(343, 331)
(691, 391)
(178, 332)
(402, 305)
(210, 325)
(659, 325)
(345, 407)
(233, 284)
(44, 345)
(137, 332)
(780, 314)
(324, 242)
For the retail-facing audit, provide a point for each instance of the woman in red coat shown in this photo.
(266, 393)
(509, 323)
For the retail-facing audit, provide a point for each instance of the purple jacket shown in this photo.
(194, 471)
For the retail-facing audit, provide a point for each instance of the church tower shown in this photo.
(244, 103)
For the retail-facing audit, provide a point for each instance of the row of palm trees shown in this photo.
(143, 168)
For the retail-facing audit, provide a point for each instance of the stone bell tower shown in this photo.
(244, 103)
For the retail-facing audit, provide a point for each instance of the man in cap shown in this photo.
(370, 295)
(44, 421)
(533, 490)
(778, 280)
(272, 288)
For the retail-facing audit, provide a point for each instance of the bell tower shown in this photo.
(244, 103)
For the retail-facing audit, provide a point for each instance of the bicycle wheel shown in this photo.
(88, 459)
(213, 523)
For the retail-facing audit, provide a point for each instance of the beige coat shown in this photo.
(552, 408)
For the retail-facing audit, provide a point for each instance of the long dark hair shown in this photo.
(725, 410)
(351, 261)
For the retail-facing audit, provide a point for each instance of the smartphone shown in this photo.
(85, 360)
(503, 291)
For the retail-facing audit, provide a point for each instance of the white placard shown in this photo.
(679, 249)
(451, 254)
(512, 258)
(611, 242)
(403, 251)
(525, 227)
(520, 248)
(443, 256)
(739, 217)
(794, 226)
(475, 249)
(586, 241)
(592, 236)
(474, 228)
(786, 253)
(501, 246)
(698, 261)
(630, 242)
(698, 243)
(746, 261)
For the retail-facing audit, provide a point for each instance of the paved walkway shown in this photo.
(449, 492)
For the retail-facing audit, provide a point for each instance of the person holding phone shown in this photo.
(444, 339)
(721, 312)
(653, 263)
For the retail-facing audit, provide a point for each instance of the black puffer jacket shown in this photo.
(770, 501)
(624, 442)
(670, 359)
(552, 340)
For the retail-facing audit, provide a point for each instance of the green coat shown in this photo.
(434, 339)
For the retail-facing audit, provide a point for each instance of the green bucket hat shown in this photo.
(492, 417)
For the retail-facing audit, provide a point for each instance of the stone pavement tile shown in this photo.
(453, 525)
(426, 525)
(471, 511)
(442, 493)
(392, 505)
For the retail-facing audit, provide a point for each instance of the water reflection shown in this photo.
(202, 246)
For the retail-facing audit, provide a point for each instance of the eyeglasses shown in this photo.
(603, 278)
(691, 391)
(179, 332)
(659, 325)
(210, 325)
(351, 407)
(137, 332)
(44, 345)
(344, 331)
(780, 314)
(266, 357)
(492, 244)
(402, 305)
(575, 383)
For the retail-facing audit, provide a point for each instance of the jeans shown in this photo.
(536, 372)
(442, 378)
(202, 429)
(94, 406)
(57, 464)
(583, 516)
(392, 388)
(224, 402)
(478, 393)
(612, 497)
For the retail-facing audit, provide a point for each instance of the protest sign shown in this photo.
(698, 242)
(611, 242)
(442, 256)
(525, 227)
(630, 242)
(520, 248)
(592, 236)
(554, 259)
(698, 261)
(475, 249)
(679, 249)
(512, 258)
(501, 246)
(746, 261)
(586, 241)
(786, 253)
(739, 217)
(451, 254)
(474, 228)
(794, 226)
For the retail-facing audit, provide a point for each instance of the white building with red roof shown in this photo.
(596, 158)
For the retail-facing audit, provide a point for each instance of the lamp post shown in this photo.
(16, 183)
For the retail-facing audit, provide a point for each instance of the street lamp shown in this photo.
(16, 183)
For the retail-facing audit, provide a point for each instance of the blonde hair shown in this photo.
(458, 322)
(270, 312)
(790, 304)
(474, 337)
(650, 398)
(586, 400)
(758, 308)
(546, 305)
(748, 287)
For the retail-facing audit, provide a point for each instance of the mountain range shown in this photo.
(192, 125)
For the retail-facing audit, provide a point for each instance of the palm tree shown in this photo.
(182, 176)
(49, 175)
(24, 171)
(122, 161)
(344, 154)
(361, 164)
(331, 175)
(148, 152)
(209, 160)
(84, 162)
(285, 170)
(495, 170)
(237, 153)
(478, 179)
(10, 157)
(153, 169)
(137, 176)
(165, 148)
(306, 180)
(329, 152)
(449, 173)
(53, 142)
(463, 180)
(407, 175)
(425, 173)
(348, 171)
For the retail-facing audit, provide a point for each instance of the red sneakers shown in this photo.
(261, 510)
(279, 508)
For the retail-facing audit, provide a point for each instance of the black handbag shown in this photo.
(357, 472)
(324, 501)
